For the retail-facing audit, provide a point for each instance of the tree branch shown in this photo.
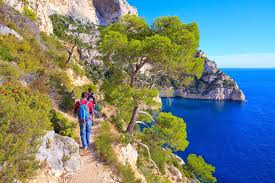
(149, 154)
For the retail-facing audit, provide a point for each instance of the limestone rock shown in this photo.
(175, 172)
(9, 16)
(213, 85)
(4, 30)
(128, 156)
(109, 11)
(101, 12)
(181, 162)
(174, 175)
(60, 153)
(77, 80)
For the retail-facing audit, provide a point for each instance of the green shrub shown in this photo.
(118, 122)
(9, 72)
(150, 174)
(24, 117)
(61, 82)
(78, 90)
(77, 69)
(60, 25)
(26, 53)
(95, 73)
(159, 156)
(126, 173)
(103, 143)
(5, 54)
(62, 125)
(124, 139)
(56, 50)
(40, 82)
(200, 168)
(29, 13)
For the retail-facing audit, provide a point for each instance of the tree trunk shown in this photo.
(70, 53)
(133, 80)
(133, 120)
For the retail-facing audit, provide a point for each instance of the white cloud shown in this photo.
(254, 60)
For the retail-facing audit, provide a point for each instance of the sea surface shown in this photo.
(237, 138)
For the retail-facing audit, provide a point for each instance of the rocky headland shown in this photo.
(214, 84)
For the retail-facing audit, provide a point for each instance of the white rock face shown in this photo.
(77, 80)
(4, 30)
(101, 12)
(213, 85)
(174, 175)
(128, 156)
(60, 153)
(181, 162)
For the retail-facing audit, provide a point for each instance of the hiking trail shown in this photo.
(92, 169)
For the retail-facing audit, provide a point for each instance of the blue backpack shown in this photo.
(83, 112)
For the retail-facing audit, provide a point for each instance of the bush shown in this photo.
(126, 173)
(62, 125)
(61, 82)
(9, 71)
(24, 117)
(78, 90)
(150, 174)
(159, 156)
(29, 13)
(77, 69)
(25, 53)
(95, 73)
(200, 168)
(56, 50)
(40, 82)
(103, 143)
(117, 121)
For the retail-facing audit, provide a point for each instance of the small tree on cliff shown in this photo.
(200, 168)
(168, 47)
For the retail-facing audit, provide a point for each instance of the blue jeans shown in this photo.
(85, 133)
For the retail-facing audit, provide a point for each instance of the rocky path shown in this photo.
(92, 170)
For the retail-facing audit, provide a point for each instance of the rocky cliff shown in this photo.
(213, 85)
(100, 12)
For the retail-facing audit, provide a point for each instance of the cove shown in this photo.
(237, 138)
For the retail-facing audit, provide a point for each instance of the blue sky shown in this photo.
(236, 33)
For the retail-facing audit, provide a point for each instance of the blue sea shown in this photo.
(237, 138)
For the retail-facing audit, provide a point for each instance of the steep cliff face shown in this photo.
(109, 11)
(101, 12)
(213, 85)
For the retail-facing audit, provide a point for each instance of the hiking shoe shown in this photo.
(85, 152)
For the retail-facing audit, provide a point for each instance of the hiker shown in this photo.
(91, 96)
(85, 112)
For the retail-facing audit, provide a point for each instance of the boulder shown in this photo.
(180, 161)
(60, 153)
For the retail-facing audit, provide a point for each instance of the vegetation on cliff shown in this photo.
(34, 84)
(168, 47)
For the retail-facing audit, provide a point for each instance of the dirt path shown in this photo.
(92, 170)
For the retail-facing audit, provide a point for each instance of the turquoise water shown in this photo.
(237, 138)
